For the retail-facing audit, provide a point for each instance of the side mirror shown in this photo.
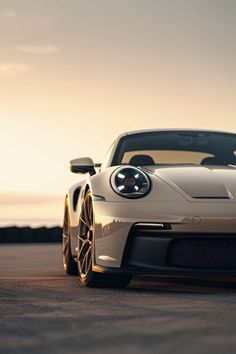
(83, 165)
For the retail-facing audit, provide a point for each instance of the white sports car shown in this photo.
(163, 202)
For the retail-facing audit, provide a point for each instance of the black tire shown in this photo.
(69, 264)
(86, 253)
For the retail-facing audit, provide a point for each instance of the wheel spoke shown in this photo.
(85, 222)
(64, 243)
(83, 261)
(82, 250)
(89, 259)
(81, 238)
(83, 265)
(87, 216)
(86, 261)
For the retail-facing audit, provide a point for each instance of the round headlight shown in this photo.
(130, 182)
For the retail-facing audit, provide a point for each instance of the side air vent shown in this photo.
(76, 197)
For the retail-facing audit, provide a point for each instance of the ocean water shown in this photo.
(34, 223)
(47, 214)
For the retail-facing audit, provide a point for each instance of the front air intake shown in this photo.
(203, 253)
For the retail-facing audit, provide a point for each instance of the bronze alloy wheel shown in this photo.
(85, 238)
(86, 252)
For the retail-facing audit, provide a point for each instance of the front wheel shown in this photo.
(86, 252)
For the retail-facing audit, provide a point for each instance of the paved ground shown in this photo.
(44, 311)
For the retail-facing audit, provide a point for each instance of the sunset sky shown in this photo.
(74, 74)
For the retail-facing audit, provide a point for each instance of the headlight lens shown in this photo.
(130, 182)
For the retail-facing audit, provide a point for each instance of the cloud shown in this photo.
(9, 14)
(10, 69)
(39, 50)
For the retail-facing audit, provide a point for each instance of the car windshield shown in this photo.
(176, 147)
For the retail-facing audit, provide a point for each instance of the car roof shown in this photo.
(133, 132)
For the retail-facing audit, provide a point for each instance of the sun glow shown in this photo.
(76, 81)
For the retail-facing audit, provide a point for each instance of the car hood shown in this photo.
(199, 182)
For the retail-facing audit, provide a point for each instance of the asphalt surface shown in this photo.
(44, 311)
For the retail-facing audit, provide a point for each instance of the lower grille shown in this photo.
(211, 253)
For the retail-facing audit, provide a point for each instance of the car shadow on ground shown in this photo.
(182, 285)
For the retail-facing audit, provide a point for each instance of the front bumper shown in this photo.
(197, 241)
(148, 252)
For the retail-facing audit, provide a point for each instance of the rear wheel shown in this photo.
(86, 252)
(69, 263)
